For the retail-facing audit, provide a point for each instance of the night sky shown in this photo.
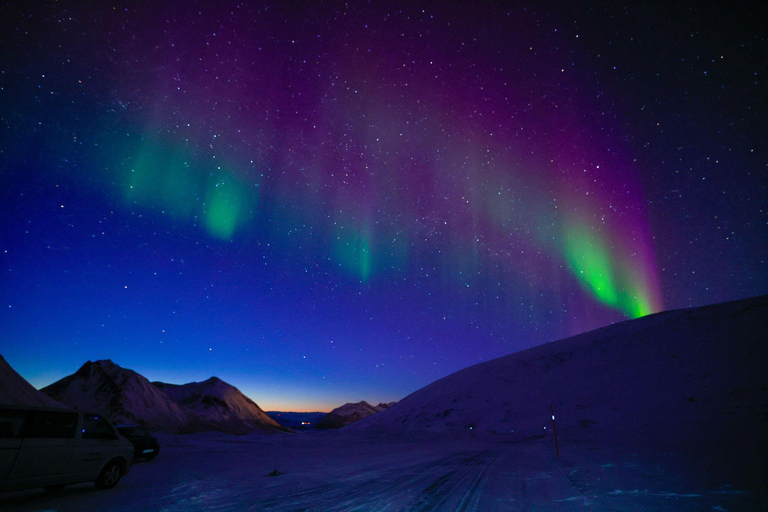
(327, 202)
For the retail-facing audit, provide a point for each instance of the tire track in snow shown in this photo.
(459, 486)
(454, 482)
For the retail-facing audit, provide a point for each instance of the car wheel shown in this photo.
(153, 454)
(109, 476)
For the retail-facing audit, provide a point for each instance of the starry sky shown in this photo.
(324, 202)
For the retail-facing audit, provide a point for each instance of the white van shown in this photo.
(53, 447)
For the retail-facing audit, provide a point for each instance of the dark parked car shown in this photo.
(145, 446)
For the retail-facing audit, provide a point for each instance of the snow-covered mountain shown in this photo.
(350, 413)
(14, 390)
(695, 378)
(383, 406)
(220, 406)
(126, 396)
(122, 394)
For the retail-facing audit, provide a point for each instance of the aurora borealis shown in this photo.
(329, 202)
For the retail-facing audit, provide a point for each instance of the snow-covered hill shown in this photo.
(122, 394)
(220, 406)
(350, 413)
(688, 379)
(14, 390)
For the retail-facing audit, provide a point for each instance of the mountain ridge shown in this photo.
(221, 405)
(128, 397)
(350, 413)
(123, 394)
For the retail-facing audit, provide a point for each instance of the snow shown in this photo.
(667, 412)
(350, 413)
(691, 378)
(220, 406)
(342, 470)
(128, 397)
(349, 409)
(123, 394)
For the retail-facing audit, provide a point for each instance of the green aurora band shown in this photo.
(591, 262)
(167, 178)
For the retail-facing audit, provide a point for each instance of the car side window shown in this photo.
(52, 424)
(96, 427)
(10, 423)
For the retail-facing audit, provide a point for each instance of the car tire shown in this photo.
(110, 475)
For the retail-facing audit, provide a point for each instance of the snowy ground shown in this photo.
(348, 471)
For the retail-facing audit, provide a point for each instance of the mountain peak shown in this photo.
(101, 363)
(348, 413)
(220, 406)
(121, 393)
(105, 365)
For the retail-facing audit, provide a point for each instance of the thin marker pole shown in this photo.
(554, 429)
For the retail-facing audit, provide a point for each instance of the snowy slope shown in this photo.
(687, 378)
(220, 406)
(14, 390)
(350, 413)
(122, 394)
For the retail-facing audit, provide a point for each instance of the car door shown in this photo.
(94, 447)
(47, 447)
(11, 423)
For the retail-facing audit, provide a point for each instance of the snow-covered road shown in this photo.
(452, 482)
(335, 471)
